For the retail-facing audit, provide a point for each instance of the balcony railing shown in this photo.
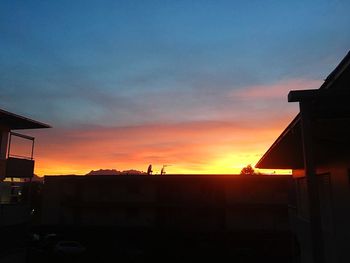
(17, 166)
(26, 137)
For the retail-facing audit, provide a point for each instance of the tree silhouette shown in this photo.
(248, 170)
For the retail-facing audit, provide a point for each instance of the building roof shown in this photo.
(17, 122)
(168, 178)
(331, 125)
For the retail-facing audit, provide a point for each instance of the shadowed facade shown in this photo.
(16, 173)
(193, 214)
(316, 146)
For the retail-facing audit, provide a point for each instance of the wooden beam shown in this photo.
(319, 94)
(312, 184)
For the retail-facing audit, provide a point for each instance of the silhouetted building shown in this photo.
(15, 175)
(316, 146)
(173, 216)
(182, 202)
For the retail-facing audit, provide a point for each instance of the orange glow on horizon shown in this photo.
(216, 152)
(192, 147)
(211, 169)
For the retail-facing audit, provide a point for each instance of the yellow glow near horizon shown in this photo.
(229, 164)
(189, 148)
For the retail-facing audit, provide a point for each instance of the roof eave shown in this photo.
(23, 122)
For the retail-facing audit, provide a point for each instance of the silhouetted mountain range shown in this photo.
(115, 172)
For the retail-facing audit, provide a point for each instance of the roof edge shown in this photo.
(291, 125)
(344, 63)
(38, 123)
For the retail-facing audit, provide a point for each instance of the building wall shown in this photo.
(334, 192)
(338, 234)
(5, 192)
(195, 203)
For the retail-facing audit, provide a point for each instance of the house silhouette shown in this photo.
(316, 146)
(16, 173)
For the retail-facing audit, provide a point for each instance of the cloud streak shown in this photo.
(201, 86)
(274, 91)
(190, 147)
(219, 133)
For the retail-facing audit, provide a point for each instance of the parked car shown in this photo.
(69, 248)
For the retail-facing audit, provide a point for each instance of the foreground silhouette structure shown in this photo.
(180, 218)
(16, 173)
(316, 146)
(190, 218)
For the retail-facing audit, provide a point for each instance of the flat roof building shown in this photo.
(198, 213)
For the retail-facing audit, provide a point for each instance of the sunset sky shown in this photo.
(198, 85)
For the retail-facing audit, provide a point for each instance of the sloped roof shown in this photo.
(17, 122)
(329, 131)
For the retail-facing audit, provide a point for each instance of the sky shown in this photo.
(200, 86)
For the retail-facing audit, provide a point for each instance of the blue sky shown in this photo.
(133, 63)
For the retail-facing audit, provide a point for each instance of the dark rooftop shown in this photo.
(331, 109)
(17, 122)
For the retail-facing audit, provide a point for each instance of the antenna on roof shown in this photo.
(162, 172)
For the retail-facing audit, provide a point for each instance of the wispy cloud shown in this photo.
(274, 91)
(198, 85)
(184, 145)
(225, 134)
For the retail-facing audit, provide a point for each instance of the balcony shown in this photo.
(17, 166)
